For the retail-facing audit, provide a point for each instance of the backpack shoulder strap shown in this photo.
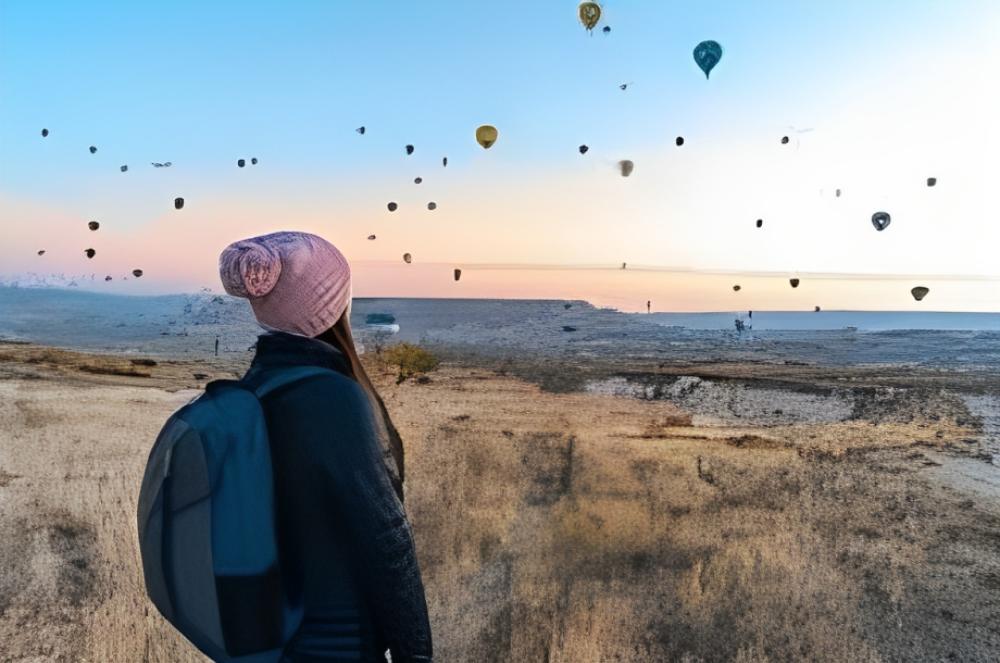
(271, 380)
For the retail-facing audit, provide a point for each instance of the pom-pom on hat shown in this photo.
(296, 282)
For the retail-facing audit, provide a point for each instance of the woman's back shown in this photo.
(345, 546)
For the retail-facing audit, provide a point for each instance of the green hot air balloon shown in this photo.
(706, 55)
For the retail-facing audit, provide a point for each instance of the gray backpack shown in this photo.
(207, 530)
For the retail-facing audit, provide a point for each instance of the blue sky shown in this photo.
(204, 83)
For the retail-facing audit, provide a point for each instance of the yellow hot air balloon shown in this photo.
(486, 135)
(590, 14)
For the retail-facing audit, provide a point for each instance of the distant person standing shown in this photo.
(648, 305)
(216, 346)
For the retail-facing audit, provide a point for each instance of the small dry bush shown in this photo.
(409, 360)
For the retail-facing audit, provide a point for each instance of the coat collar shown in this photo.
(277, 348)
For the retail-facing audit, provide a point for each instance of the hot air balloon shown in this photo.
(361, 130)
(931, 181)
(583, 149)
(392, 207)
(178, 203)
(253, 161)
(136, 273)
(241, 162)
(371, 237)
(623, 87)
(107, 278)
(432, 206)
(607, 29)
(590, 14)
(679, 141)
(407, 258)
(93, 150)
(623, 265)
(409, 149)
(486, 135)
(93, 225)
(707, 54)
(784, 140)
(881, 220)
(736, 288)
(816, 310)
(794, 282)
(838, 193)
(45, 133)
(760, 223)
(919, 292)
(458, 274)
(418, 180)
(124, 169)
(90, 253)
(626, 167)
(444, 162)
(41, 252)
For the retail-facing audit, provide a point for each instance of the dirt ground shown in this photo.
(550, 526)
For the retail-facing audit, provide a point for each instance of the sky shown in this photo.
(875, 97)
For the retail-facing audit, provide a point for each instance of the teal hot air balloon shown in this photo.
(707, 54)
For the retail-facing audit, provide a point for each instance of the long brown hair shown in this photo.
(339, 336)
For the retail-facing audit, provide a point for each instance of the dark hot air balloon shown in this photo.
(178, 203)
(626, 167)
(458, 274)
(93, 225)
(93, 150)
(583, 149)
(136, 273)
(41, 252)
(241, 162)
(607, 29)
(409, 149)
(679, 141)
(816, 309)
(919, 292)
(392, 207)
(107, 278)
(931, 181)
(253, 161)
(90, 253)
(623, 87)
(361, 130)
(760, 223)
(418, 180)
(444, 162)
(124, 169)
(45, 133)
(784, 140)
(432, 206)
(881, 220)
(407, 258)
(706, 55)
(794, 282)
(371, 237)
(737, 288)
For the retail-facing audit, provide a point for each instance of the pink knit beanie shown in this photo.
(296, 282)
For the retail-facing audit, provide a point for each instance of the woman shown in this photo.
(345, 545)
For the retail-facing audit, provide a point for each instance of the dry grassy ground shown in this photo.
(550, 527)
